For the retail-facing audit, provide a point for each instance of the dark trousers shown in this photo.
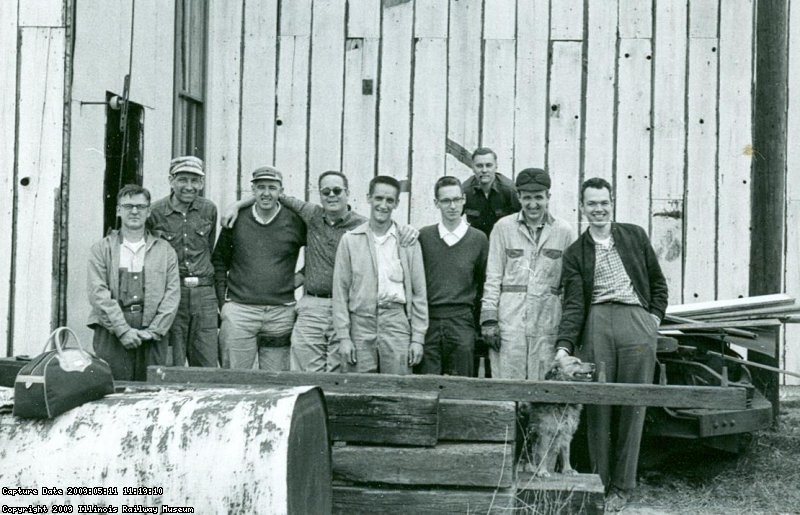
(128, 364)
(449, 346)
(624, 338)
(193, 334)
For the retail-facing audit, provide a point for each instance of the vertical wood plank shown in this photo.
(499, 70)
(327, 90)
(633, 135)
(258, 102)
(291, 112)
(566, 20)
(359, 127)
(41, 13)
(363, 19)
(733, 194)
(464, 81)
(8, 102)
(792, 253)
(564, 137)
(531, 110)
(669, 143)
(394, 131)
(39, 158)
(703, 18)
(429, 120)
(223, 100)
(635, 18)
(600, 85)
(699, 281)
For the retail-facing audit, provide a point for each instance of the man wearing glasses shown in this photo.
(315, 347)
(134, 291)
(188, 222)
(455, 262)
(522, 294)
(254, 265)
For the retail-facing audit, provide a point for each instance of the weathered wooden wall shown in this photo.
(791, 357)
(652, 94)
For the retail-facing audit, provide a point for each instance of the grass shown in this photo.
(763, 479)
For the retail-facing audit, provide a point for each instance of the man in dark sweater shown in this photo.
(254, 265)
(455, 264)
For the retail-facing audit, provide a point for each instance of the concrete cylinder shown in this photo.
(215, 450)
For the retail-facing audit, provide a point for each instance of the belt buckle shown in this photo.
(136, 308)
(191, 282)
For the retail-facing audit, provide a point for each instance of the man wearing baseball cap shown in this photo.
(254, 263)
(188, 222)
(521, 305)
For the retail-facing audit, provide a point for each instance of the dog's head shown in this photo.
(570, 368)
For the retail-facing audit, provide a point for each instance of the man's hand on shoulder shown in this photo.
(414, 354)
(231, 212)
(407, 235)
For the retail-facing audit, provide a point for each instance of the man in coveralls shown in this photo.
(521, 306)
(380, 307)
(188, 222)
(134, 290)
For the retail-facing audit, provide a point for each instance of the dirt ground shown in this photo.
(694, 479)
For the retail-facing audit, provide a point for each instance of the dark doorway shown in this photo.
(124, 154)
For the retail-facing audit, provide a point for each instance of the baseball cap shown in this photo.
(186, 164)
(267, 173)
(533, 179)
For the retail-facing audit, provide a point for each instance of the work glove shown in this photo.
(491, 335)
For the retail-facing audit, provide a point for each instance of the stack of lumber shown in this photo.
(758, 311)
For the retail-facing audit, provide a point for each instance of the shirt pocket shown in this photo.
(551, 263)
(203, 229)
(516, 267)
(472, 213)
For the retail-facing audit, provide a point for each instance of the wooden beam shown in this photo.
(360, 499)
(470, 388)
(768, 177)
(475, 464)
(559, 493)
(722, 325)
(477, 421)
(405, 419)
(729, 305)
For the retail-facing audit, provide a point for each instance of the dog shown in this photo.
(548, 428)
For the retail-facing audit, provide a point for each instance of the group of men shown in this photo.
(380, 296)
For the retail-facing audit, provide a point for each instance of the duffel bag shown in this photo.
(60, 379)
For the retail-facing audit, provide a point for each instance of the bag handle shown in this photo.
(59, 338)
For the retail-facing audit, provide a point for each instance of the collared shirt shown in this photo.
(131, 255)
(535, 231)
(390, 270)
(192, 234)
(265, 221)
(611, 281)
(482, 211)
(454, 236)
(322, 240)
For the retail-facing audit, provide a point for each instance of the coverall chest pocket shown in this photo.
(551, 262)
(516, 267)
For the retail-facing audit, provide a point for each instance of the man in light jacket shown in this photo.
(380, 308)
(134, 290)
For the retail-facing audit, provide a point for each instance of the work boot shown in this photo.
(615, 500)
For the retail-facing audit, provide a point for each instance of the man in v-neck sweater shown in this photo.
(254, 264)
(455, 262)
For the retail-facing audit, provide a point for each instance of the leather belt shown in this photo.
(513, 288)
(390, 305)
(134, 308)
(192, 282)
(320, 295)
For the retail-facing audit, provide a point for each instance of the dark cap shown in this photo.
(267, 173)
(533, 179)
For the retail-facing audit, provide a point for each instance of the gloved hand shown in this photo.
(491, 335)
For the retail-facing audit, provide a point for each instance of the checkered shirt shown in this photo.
(611, 281)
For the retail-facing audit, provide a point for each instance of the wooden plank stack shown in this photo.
(763, 310)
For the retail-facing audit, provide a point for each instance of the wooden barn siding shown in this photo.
(653, 95)
(791, 347)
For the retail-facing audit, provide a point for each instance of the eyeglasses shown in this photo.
(448, 202)
(327, 191)
(131, 207)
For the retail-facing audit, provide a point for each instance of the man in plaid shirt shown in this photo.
(615, 296)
